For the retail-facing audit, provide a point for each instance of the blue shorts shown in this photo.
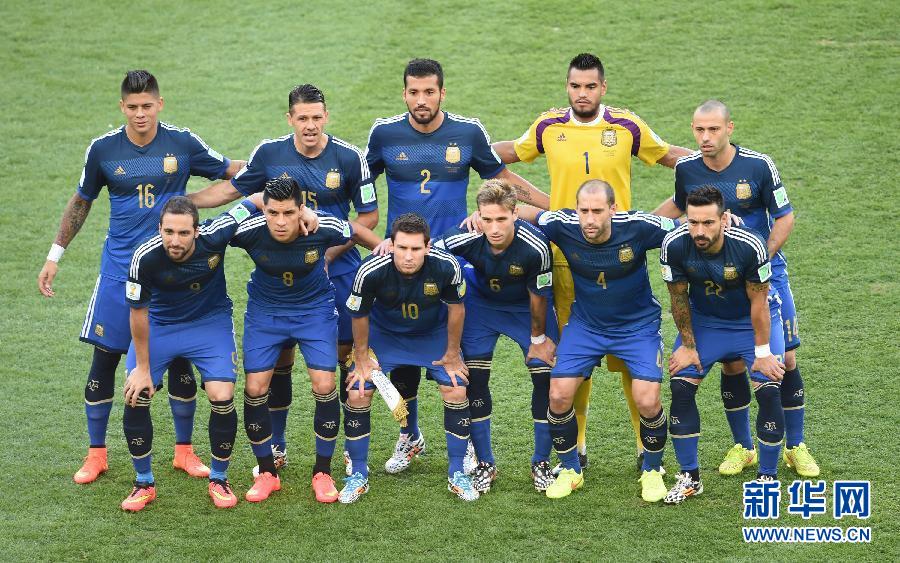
(207, 343)
(342, 285)
(484, 325)
(394, 350)
(722, 344)
(582, 347)
(788, 310)
(106, 324)
(314, 329)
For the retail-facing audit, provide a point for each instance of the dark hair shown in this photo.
(421, 68)
(586, 61)
(282, 189)
(707, 195)
(305, 94)
(593, 186)
(180, 205)
(138, 82)
(410, 223)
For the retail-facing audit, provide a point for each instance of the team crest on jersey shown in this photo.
(742, 190)
(608, 138)
(170, 164)
(453, 155)
(730, 273)
(430, 288)
(333, 179)
(312, 256)
(98, 330)
(213, 261)
(626, 254)
(516, 270)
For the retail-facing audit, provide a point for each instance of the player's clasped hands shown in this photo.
(455, 367)
(684, 357)
(769, 366)
(138, 381)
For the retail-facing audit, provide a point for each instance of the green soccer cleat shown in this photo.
(653, 489)
(566, 482)
(800, 460)
(736, 459)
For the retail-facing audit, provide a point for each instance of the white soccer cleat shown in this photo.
(280, 460)
(461, 485)
(684, 488)
(470, 462)
(404, 452)
(355, 486)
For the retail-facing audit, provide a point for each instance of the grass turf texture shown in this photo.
(812, 84)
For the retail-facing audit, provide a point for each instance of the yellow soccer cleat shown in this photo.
(736, 459)
(800, 460)
(566, 482)
(653, 489)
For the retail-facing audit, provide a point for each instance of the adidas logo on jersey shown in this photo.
(285, 176)
(562, 137)
(402, 156)
(119, 171)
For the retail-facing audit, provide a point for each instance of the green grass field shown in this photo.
(813, 84)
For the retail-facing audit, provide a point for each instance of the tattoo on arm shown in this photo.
(681, 312)
(523, 193)
(758, 287)
(73, 218)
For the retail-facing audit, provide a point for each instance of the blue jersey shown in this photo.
(428, 173)
(612, 288)
(502, 280)
(412, 305)
(717, 282)
(330, 181)
(179, 292)
(288, 276)
(750, 185)
(139, 181)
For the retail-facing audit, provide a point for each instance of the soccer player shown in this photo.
(408, 309)
(291, 300)
(614, 312)
(588, 140)
(426, 154)
(511, 293)
(718, 281)
(142, 164)
(752, 189)
(333, 174)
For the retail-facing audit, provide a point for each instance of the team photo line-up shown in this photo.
(564, 275)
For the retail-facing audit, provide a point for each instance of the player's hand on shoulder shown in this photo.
(684, 357)
(770, 367)
(309, 221)
(385, 247)
(732, 220)
(46, 277)
(473, 223)
(138, 381)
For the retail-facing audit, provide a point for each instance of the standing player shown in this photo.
(426, 154)
(408, 309)
(142, 164)
(614, 312)
(332, 174)
(291, 300)
(584, 141)
(180, 308)
(510, 281)
(752, 189)
(718, 283)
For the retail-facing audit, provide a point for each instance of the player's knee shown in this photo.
(735, 390)
(281, 389)
(218, 391)
(646, 397)
(453, 394)
(101, 381)
(770, 418)
(560, 399)
(323, 384)
(684, 416)
(357, 401)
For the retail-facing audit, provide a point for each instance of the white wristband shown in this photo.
(56, 252)
(539, 339)
(762, 351)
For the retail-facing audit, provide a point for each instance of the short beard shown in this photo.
(425, 121)
(585, 115)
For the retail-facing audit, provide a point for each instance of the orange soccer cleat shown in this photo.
(221, 494)
(94, 464)
(141, 495)
(323, 486)
(186, 460)
(263, 486)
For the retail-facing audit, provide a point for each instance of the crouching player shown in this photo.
(511, 293)
(399, 314)
(291, 300)
(722, 307)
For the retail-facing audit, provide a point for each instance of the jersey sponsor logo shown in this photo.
(239, 213)
(98, 330)
(367, 193)
(132, 291)
(170, 164)
(561, 138)
(730, 273)
(743, 191)
(765, 272)
(213, 261)
(608, 138)
(430, 288)
(401, 156)
(545, 280)
(666, 272)
(333, 179)
(781, 197)
(516, 270)
(312, 256)
(461, 289)
(119, 171)
(453, 154)
(626, 254)
(354, 302)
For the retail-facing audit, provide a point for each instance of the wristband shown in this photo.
(539, 339)
(56, 252)
(762, 351)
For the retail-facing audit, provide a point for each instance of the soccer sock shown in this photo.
(182, 399)
(222, 432)
(138, 429)
(406, 380)
(684, 424)
(480, 407)
(357, 428)
(769, 427)
(564, 431)
(540, 404)
(258, 425)
(342, 387)
(653, 439)
(793, 399)
(326, 418)
(632, 408)
(736, 398)
(582, 404)
(457, 419)
(98, 395)
(280, 395)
